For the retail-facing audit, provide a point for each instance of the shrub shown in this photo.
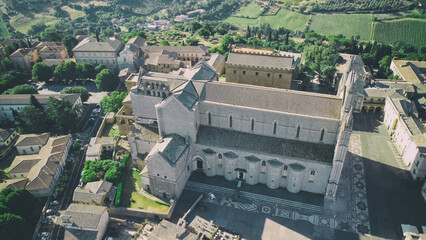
(118, 196)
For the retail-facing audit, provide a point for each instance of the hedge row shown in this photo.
(123, 163)
(118, 196)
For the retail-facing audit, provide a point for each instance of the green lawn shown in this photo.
(346, 24)
(252, 10)
(138, 178)
(4, 33)
(284, 18)
(409, 30)
(23, 23)
(131, 198)
(114, 132)
(74, 14)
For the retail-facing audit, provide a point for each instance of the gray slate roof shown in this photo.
(24, 99)
(5, 133)
(176, 49)
(211, 136)
(171, 148)
(32, 139)
(85, 216)
(274, 99)
(93, 192)
(91, 45)
(279, 62)
(201, 71)
(186, 94)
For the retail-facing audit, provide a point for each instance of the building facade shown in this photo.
(261, 70)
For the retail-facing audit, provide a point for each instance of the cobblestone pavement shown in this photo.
(352, 217)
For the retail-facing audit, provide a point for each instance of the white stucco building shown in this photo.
(407, 132)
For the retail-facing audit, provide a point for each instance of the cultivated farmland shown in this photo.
(4, 33)
(411, 31)
(252, 10)
(346, 24)
(284, 18)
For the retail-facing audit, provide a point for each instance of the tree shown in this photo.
(21, 202)
(99, 68)
(113, 102)
(6, 64)
(32, 120)
(164, 43)
(105, 80)
(248, 32)
(85, 70)
(62, 115)
(192, 41)
(11, 79)
(69, 42)
(112, 175)
(41, 72)
(21, 89)
(225, 42)
(84, 94)
(34, 102)
(65, 72)
(11, 226)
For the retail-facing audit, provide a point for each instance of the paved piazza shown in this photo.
(351, 215)
(371, 199)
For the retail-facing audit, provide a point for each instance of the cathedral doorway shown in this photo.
(199, 164)
(241, 176)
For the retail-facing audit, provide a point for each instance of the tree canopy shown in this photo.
(84, 94)
(41, 72)
(105, 80)
(21, 89)
(113, 102)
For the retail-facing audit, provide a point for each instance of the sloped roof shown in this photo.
(176, 49)
(15, 183)
(91, 45)
(171, 148)
(212, 136)
(21, 52)
(93, 192)
(254, 60)
(32, 139)
(186, 94)
(23, 164)
(411, 71)
(5, 133)
(216, 60)
(406, 86)
(273, 99)
(138, 41)
(24, 99)
(84, 216)
(378, 92)
(201, 71)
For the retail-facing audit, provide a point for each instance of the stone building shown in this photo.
(18, 101)
(130, 57)
(410, 71)
(84, 222)
(97, 193)
(39, 172)
(25, 58)
(278, 137)
(92, 51)
(186, 54)
(261, 70)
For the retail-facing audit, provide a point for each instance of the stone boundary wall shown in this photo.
(121, 211)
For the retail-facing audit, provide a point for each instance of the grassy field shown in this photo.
(411, 31)
(4, 33)
(346, 24)
(284, 18)
(132, 198)
(23, 23)
(252, 10)
(74, 14)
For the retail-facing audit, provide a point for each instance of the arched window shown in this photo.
(209, 118)
(298, 131)
(148, 92)
(312, 172)
(263, 163)
(252, 124)
(219, 156)
(285, 167)
(322, 135)
(230, 121)
(275, 128)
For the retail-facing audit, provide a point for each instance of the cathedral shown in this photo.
(282, 138)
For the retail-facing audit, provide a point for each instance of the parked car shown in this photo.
(50, 211)
(54, 203)
(43, 234)
(40, 88)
